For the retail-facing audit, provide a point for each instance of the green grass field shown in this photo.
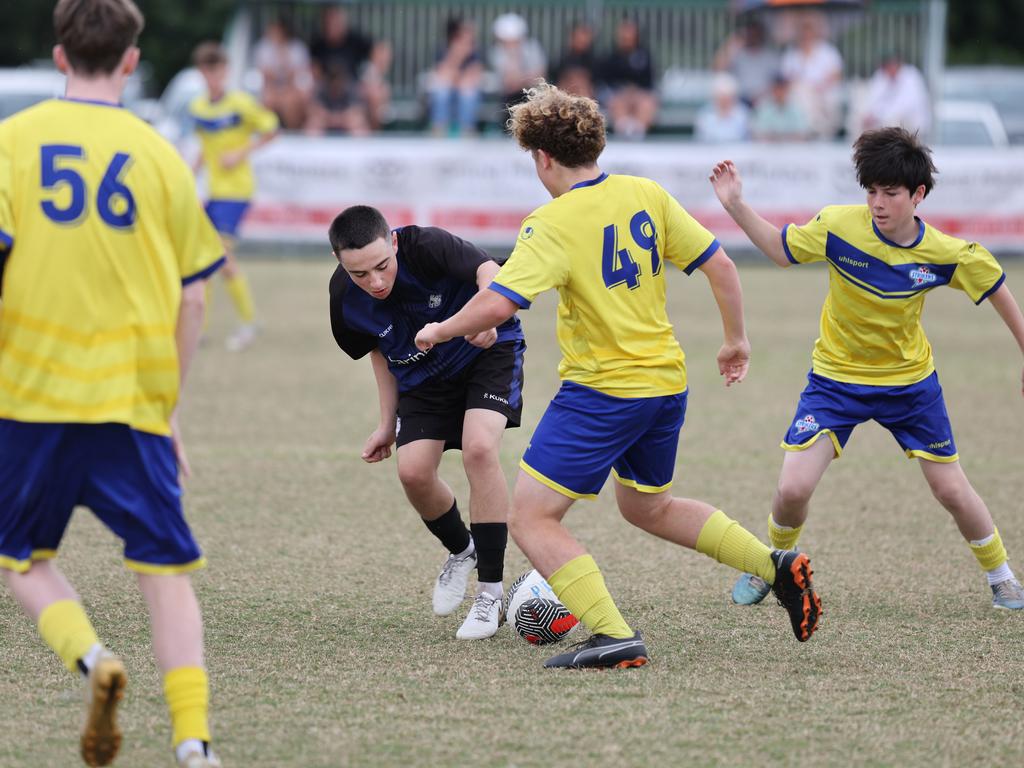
(321, 642)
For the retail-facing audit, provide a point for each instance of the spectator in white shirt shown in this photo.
(897, 95)
(814, 67)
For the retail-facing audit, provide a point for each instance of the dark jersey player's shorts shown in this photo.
(129, 479)
(435, 410)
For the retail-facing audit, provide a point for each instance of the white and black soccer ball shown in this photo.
(535, 613)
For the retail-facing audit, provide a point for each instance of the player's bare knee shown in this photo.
(640, 509)
(950, 494)
(479, 456)
(416, 477)
(793, 492)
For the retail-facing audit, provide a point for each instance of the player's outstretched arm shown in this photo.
(186, 337)
(1008, 308)
(485, 274)
(725, 178)
(485, 310)
(378, 444)
(734, 356)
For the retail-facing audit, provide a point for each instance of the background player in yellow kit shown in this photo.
(872, 359)
(231, 125)
(105, 250)
(602, 242)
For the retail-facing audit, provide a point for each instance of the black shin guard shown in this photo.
(490, 540)
(450, 530)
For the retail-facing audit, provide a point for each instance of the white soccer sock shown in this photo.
(1002, 573)
(492, 588)
(467, 551)
(91, 656)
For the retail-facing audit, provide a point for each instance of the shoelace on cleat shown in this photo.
(1009, 589)
(449, 569)
(482, 606)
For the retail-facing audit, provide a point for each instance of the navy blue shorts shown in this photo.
(129, 479)
(915, 414)
(585, 433)
(227, 215)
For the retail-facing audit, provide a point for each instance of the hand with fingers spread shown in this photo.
(725, 178)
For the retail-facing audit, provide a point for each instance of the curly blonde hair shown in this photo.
(569, 128)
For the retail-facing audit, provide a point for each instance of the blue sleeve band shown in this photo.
(708, 253)
(993, 289)
(510, 294)
(785, 246)
(205, 273)
(6, 240)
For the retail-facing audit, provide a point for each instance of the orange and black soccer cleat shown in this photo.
(795, 592)
(603, 652)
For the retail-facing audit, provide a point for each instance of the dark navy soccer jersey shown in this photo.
(436, 277)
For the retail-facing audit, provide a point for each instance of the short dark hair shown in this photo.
(209, 54)
(357, 227)
(893, 157)
(95, 33)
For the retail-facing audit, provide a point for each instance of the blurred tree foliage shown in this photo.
(979, 31)
(173, 28)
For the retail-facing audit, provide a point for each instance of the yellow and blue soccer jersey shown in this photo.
(102, 227)
(603, 245)
(871, 323)
(226, 125)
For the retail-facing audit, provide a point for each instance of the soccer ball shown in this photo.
(536, 614)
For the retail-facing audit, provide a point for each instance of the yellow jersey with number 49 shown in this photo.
(100, 226)
(871, 329)
(603, 245)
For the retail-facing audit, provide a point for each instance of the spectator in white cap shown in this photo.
(725, 118)
(518, 61)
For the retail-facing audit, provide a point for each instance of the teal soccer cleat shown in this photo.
(750, 589)
(1008, 595)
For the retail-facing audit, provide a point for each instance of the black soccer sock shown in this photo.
(450, 530)
(490, 540)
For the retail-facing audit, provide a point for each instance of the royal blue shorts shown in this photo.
(915, 414)
(585, 433)
(227, 215)
(129, 480)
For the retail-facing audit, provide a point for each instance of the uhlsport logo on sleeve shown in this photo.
(922, 276)
(806, 424)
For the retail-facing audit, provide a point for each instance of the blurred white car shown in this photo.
(21, 87)
(968, 124)
(1003, 87)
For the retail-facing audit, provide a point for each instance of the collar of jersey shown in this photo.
(589, 182)
(97, 102)
(887, 241)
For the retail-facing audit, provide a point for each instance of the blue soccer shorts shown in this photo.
(585, 433)
(914, 414)
(129, 480)
(227, 215)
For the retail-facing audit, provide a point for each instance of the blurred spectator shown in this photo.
(339, 46)
(519, 62)
(287, 81)
(454, 88)
(815, 70)
(337, 106)
(751, 59)
(374, 85)
(627, 83)
(778, 117)
(577, 70)
(897, 95)
(726, 118)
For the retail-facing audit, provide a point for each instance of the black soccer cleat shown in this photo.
(602, 652)
(795, 592)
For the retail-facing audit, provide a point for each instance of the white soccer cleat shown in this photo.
(483, 619)
(197, 759)
(243, 336)
(450, 587)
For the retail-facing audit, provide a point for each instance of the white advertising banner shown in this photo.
(483, 189)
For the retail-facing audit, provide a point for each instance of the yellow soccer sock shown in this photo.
(580, 586)
(68, 631)
(728, 542)
(187, 691)
(783, 536)
(991, 554)
(238, 289)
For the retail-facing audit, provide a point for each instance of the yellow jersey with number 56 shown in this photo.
(603, 245)
(100, 227)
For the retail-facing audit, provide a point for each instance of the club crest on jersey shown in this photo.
(526, 234)
(435, 301)
(922, 276)
(806, 424)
